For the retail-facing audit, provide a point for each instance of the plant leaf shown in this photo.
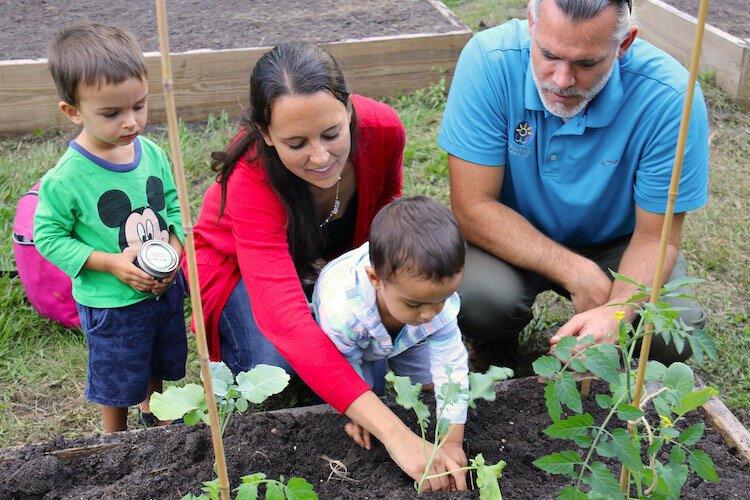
(407, 395)
(603, 400)
(571, 428)
(695, 399)
(247, 491)
(275, 490)
(482, 385)
(546, 366)
(627, 452)
(675, 476)
(175, 402)
(261, 382)
(299, 489)
(692, 434)
(600, 362)
(679, 377)
(701, 464)
(570, 493)
(564, 346)
(568, 393)
(627, 412)
(654, 371)
(603, 482)
(552, 401)
(221, 377)
(487, 478)
(563, 462)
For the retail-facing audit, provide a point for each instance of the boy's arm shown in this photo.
(121, 265)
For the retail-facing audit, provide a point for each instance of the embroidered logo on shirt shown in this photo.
(524, 133)
(610, 163)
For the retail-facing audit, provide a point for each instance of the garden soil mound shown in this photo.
(170, 462)
(29, 26)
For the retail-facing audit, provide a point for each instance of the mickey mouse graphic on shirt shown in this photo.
(137, 225)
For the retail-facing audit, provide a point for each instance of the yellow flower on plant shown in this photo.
(619, 315)
(665, 421)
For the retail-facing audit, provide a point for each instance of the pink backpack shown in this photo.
(48, 289)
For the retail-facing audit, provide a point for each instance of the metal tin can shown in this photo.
(157, 258)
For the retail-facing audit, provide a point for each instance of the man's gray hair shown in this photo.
(583, 10)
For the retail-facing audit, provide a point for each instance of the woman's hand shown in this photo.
(406, 448)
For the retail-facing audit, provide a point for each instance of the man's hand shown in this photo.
(599, 322)
(590, 287)
(359, 434)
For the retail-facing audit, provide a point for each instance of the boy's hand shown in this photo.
(359, 434)
(160, 287)
(121, 265)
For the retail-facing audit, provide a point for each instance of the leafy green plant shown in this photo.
(233, 394)
(296, 489)
(661, 440)
(480, 387)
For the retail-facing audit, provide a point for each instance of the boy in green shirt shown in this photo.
(109, 193)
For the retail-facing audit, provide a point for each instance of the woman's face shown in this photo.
(311, 136)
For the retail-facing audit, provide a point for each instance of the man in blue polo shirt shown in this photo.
(561, 134)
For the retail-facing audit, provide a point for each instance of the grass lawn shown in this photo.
(42, 365)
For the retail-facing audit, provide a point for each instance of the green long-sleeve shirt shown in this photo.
(87, 204)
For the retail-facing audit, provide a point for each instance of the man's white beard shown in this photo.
(559, 109)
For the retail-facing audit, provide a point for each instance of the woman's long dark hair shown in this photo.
(292, 68)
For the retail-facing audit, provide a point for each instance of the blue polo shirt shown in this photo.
(577, 182)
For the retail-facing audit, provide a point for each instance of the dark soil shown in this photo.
(170, 462)
(28, 26)
(732, 16)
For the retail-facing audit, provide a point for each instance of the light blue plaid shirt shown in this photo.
(346, 308)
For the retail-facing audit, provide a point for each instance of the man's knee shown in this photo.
(495, 298)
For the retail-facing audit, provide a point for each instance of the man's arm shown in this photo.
(638, 263)
(503, 232)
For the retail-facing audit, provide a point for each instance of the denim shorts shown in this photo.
(130, 345)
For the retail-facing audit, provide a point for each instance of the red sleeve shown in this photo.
(279, 304)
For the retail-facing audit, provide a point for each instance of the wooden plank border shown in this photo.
(213, 81)
(673, 31)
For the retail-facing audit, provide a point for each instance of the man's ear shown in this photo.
(373, 277)
(71, 112)
(628, 42)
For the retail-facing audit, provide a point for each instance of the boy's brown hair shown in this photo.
(93, 54)
(418, 236)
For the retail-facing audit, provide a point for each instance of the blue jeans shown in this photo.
(243, 346)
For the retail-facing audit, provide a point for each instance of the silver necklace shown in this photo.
(336, 204)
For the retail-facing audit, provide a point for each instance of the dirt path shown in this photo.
(732, 16)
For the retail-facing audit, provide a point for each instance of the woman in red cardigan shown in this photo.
(299, 185)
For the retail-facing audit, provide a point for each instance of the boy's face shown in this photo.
(412, 300)
(112, 115)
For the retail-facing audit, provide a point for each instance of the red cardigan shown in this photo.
(250, 241)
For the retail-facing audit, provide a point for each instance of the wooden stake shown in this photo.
(195, 298)
(669, 213)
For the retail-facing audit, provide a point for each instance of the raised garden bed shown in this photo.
(169, 462)
(385, 47)
(671, 24)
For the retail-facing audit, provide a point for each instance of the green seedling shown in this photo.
(480, 387)
(664, 443)
(296, 489)
(233, 394)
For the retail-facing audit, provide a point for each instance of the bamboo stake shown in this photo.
(669, 213)
(195, 298)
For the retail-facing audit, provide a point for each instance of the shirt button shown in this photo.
(553, 157)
